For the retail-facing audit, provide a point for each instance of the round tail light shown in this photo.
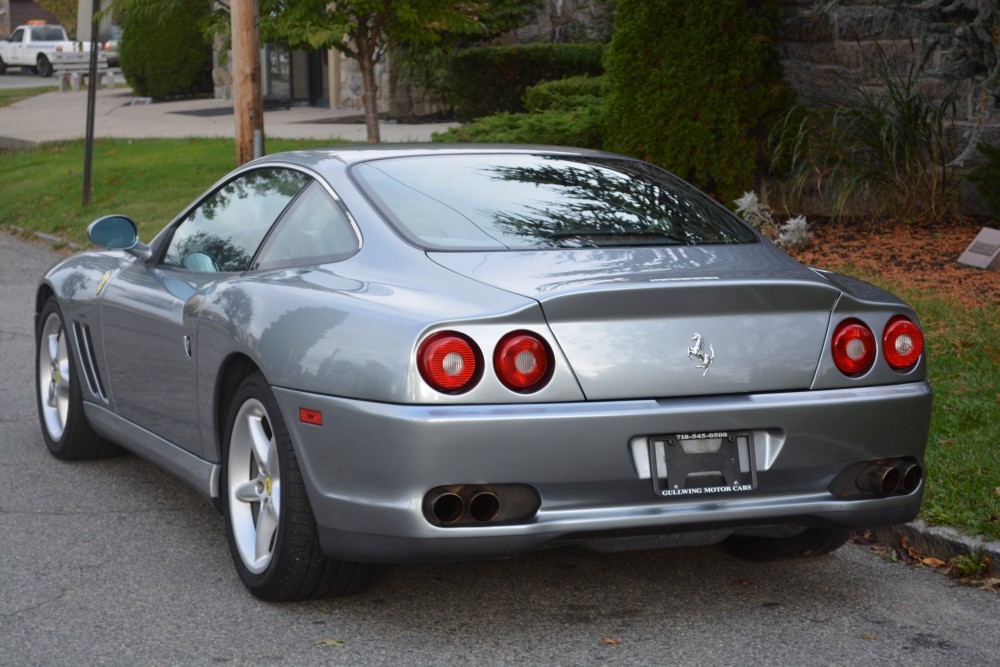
(902, 344)
(853, 348)
(523, 361)
(450, 362)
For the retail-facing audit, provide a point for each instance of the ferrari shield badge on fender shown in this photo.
(104, 281)
(697, 352)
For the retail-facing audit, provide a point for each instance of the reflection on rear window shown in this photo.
(500, 202)
(47, 34)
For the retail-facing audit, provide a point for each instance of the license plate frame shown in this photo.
(724, 456)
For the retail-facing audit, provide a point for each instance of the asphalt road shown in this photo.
(113, 562)
(16, 78)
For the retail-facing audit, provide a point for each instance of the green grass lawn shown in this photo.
(963, 452)
(12, 95)
(149, 180)
(152, 180)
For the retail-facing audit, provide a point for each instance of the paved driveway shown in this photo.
(113, 562)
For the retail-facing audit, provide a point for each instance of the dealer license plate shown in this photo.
(700, 464)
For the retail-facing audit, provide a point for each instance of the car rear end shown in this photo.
(668, 380)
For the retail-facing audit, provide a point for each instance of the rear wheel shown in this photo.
(3, 66)
(44, 67)
(272, 533)
(67, 432)
(812, 542)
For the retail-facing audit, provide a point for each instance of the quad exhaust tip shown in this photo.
(475, 504)
(890, 477)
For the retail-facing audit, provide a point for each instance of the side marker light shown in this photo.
(313, 417)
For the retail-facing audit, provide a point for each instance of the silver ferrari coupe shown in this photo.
(375, 355)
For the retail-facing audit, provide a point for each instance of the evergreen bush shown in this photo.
(693, 87)
(565, 93)
(164, 53)
(490, 79)
(566, 112)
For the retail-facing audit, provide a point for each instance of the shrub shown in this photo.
(883, 150)
(491, 79)
(164, 54)
(986, 178)
(567, 112)
(565, 93)
(693, 87)
(558, 127)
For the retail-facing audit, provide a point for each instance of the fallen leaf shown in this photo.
(869, 637)
(742, 582)
(933, 562)
(998, 490)
(864, 537)
(610, 641)
(327, 641)
(991, 584)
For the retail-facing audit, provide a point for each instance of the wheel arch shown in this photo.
(45, 292)
(234, 370)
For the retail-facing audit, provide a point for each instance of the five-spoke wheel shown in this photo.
(272, 533)
(253, 481)
(65, 428)
(53, 376)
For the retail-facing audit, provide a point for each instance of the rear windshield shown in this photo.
(47, 33)
(516, 202)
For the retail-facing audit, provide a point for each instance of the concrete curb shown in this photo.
(942, 542)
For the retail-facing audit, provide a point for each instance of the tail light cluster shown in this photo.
(452, 363)
(855, 348)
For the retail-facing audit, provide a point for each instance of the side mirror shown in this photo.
(118, 232)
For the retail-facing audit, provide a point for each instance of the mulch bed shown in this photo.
(918, 257)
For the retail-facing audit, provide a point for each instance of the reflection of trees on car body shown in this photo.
(229, 224)
(613, 203)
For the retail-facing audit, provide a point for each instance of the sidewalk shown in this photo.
(58, 116)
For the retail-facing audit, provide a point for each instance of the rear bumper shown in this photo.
(369, 466)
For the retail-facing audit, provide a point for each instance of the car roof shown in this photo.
(349, 155)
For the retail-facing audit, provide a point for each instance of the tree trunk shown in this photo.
(366, 43)
(248, 105)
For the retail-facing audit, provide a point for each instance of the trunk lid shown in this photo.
(671, 321)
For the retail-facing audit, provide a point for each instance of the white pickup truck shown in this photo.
(34, 46)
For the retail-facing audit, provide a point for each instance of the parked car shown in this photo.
(110, 46)
(34, 46)
(382, 354)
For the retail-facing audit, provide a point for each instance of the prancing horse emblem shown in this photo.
(697, 353)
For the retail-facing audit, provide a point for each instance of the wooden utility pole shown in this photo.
(248, 104)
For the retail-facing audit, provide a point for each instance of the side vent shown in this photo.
(85, 344)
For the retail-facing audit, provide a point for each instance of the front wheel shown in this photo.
(44, 67)
(67, 432)
(270, 526)
(3, 66)
(811, 542)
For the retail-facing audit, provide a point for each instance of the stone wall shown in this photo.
(828, 48)
(566, 21)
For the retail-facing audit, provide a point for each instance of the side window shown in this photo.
(314, 230)
(18, 35)
(223, 232)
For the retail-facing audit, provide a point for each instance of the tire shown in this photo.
(65, 428)
(3, 66)
(44, 67)
(812, 542)
(270, 525)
